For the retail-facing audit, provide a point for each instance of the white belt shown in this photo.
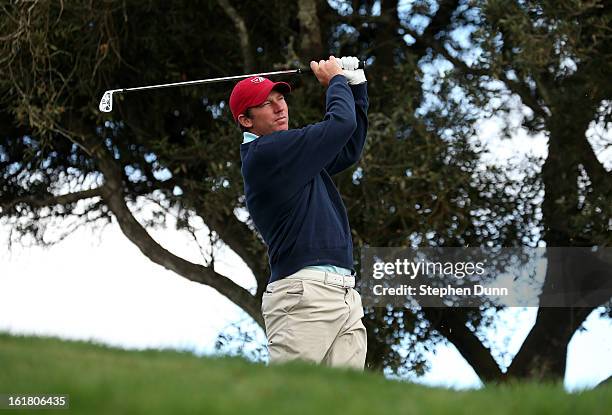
(329, 278)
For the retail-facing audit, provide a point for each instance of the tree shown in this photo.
(420, 181)
(552, 55)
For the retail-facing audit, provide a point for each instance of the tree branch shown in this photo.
(600, 177)
(50, 200)
(239, 237)
(451, 324)
(428, 39)
(439, 22)
(113, 194)
(310, 29)
(234, 233)
(243, 34)
(516, 87)
(544, 351)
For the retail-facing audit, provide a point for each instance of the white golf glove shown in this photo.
(349, 66)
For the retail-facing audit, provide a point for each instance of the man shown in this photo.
(310, 308)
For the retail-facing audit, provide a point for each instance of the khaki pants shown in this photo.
(314, 321)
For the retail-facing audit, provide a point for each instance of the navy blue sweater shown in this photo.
(290, 195)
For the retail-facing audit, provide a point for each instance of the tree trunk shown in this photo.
(543, 355)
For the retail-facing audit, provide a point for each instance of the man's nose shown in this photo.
(278, 107)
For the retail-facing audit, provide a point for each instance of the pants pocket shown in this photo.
(282, 296)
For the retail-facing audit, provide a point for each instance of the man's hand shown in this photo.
(325, 70)
(353, 75)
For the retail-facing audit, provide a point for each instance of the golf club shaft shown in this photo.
(207, 81)
(222, 79)
(106, 103)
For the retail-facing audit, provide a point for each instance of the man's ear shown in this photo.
(245, 121)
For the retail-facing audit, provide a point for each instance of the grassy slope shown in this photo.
(102, 380)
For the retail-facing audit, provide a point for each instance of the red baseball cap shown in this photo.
(252, 92)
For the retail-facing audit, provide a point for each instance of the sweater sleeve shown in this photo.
(351, 152)
(285, 161)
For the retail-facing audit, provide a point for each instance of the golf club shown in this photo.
(106, 103)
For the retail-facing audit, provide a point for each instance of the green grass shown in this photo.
(103, 380)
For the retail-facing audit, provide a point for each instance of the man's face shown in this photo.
(272, 115)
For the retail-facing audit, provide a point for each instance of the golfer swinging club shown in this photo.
(310, 308)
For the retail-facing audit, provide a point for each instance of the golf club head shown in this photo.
(106, 103)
